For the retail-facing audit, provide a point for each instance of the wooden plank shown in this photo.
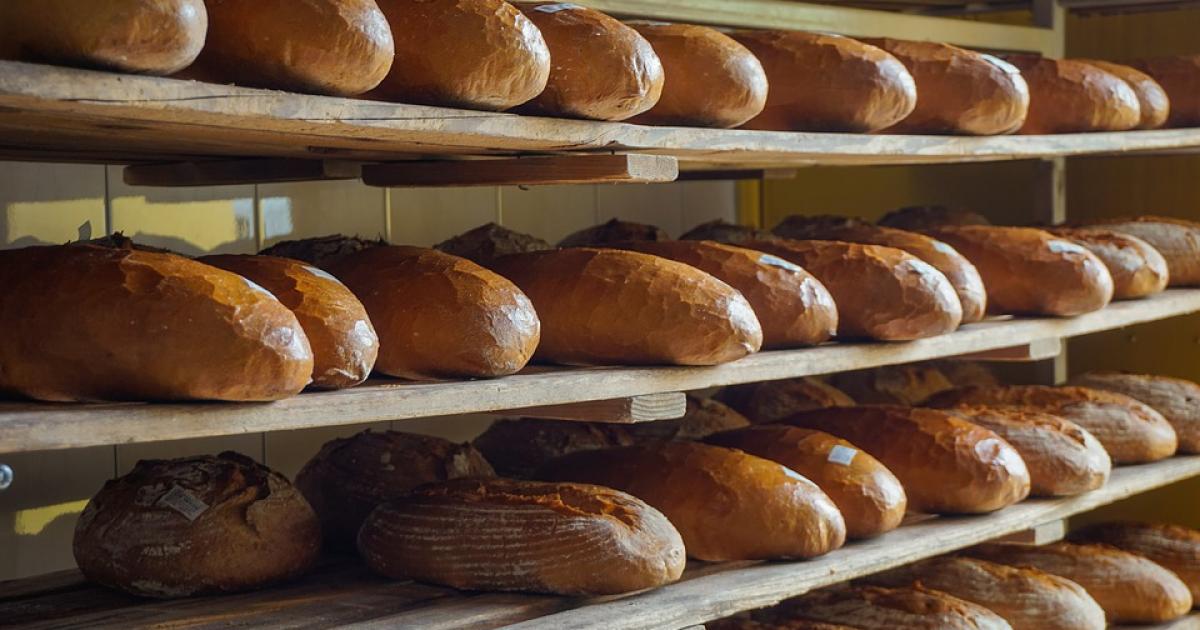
(1043, 534)
(37, 426)
(1190, 622)
(537, 170)
(1036, 350)
(227, 172)
(628, 410)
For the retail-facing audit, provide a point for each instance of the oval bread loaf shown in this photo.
(507, 535)
(194, 526)
(1178, 240)
(880, 608)
(614, 231)
(1137, 269)
(1071, 96)
(1130, 431)
(1130, 588)
(1179, 76)
(78, 332)
(703, 417)
(1175, 547)
(1152, 98)
(822, 82)
(907, 385)
(1177, 399)
(602, 69)
(946, 464)
(723, 232)
(918, 218)
(605, 306)
(1030, 271)
(490, 241)
(727, 505)
(869, 496)
(519, 447)
(772, 401)
(344, 343)
(880, 292)
(321, 251)
(349, 477)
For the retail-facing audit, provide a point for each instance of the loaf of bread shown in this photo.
(519, 447)
(1180, 77)
(1152, 98)
(727, 505)
(614, 231)
(602, 69)
(1130, 431)
(344, 344)
(919, 218)
(722, 232)
(1062, 457)
(961, 91)
(711, 80)
(946, 464)
(792, 306)
(908, 385)
(605, 306)
(334, 47)
(881, 292)
(868, 495)
(1175, 547)
(79, 329)
(822, 82)
(1028, 599)
(1176, 399)
(748, 623)
(703, 417)
(508, 535)
(1137, 269)
(349, 477)
(150, 37)
(1130, 588)
(880, 608)
(1178, 240)
(1030, 271)
(772, 401)
(321, 251)
(488, 242)
(477, 54)
(1071, 96)
(195, 526)
(957, 269)
(962, 373)
(440, 316)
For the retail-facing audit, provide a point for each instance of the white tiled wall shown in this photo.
(43, 203)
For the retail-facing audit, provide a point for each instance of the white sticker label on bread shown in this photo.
(184, 502)
(842, 455)
(555, 8)
(775, 261)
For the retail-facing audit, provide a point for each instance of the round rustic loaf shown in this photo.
(1177, 399)
(1175, 547)
(1137, 269)
(1071, 96)
(488, 242)
(918, 218)
(1152, 99)
(614, 231)
(879, 608)
(909, 384)
(519, 447)
(772, 401)
(1179, 76)
(195, 526)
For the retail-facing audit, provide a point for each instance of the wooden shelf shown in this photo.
(342, 593)
(64, 114)
(43, 426)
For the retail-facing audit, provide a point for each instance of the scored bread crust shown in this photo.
(1180, 77)
(1137, 269)
(1177, 399)
(1152, 98)
(879, 608)
(1072, 96)
(1175, 547)
(1178, 240)
(519, 447)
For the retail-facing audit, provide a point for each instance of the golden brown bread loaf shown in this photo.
(1030, 271)
(1130, 588)
(194, 526)
(1062, 457)
(349, 477)
(962, 373)
(946, 464)
(881, 292)
(961, 91)
(879, 608)
(1175, 547)
(143, 36)
(614, 231)
(508, 535)
(1178, 240)
(488, 242)
(1177, 399)
(1137, 269)
(440, 316)
(792, 306)
(1130, 431)
(519, 447)
(703, 417)
(602, 69)
(723, 232)
(344, 344)
(321, 251)
(822, 82)
(335, 47)
(1152, 98)
(710, 79)
(919, 218)
(78, 331)
(1028, 599)
(772, 401)
(907, 385)
(868, 495)
(957, 269)
(1071, 96)
(727, 505)
(605, 306)
(1180, 77)
(477, 54)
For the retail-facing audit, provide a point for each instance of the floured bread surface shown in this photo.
(878, 608)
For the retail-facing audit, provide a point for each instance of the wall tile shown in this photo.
(427, 216)
(548, 212)
(50, 203)
(306, 209)
(191, 221)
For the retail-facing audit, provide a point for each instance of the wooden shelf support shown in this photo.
(231, 172)
(1043, 534)
(630, 410)
(544, 170)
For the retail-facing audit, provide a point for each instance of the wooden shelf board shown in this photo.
(66, 114)
(342, 593)
(43, 426)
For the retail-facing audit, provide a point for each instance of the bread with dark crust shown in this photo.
(1178, 240)
(488, 242)
(1175, 547)
(772, 401)
(613, 231)
(1072, 96)
(1177, 399)
(879, 608)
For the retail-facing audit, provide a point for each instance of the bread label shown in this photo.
(556, 7)
(775, 261)
(842, 455)
(184, 502)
